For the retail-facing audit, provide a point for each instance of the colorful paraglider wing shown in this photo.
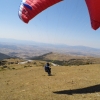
(30, 8)
(94, 11)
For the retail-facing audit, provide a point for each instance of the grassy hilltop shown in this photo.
(29, 81)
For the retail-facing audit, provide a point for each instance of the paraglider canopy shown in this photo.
(30, 8)
(94, 12)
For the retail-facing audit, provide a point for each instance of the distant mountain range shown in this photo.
(27, 49)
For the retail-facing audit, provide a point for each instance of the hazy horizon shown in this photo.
(30, 42)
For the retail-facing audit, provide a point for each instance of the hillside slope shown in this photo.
(4, 56)
(67, 59)
(67, 83)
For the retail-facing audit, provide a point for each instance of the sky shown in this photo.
(67, 22)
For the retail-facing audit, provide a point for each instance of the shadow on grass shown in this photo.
(48, 75)
(90, 89)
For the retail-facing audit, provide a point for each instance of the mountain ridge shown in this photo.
(4, 56)
(25, 49)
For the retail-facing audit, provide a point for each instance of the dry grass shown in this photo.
(66, 83)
